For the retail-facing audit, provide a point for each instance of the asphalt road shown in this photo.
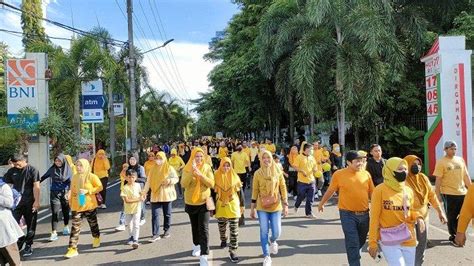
(303, 242)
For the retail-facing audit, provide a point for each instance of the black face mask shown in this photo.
(400, 176)
(415, 169)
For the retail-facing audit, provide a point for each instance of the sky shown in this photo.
(178, 69)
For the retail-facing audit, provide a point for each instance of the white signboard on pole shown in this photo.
(93, 102)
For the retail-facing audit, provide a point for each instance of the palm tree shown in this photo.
(339, 52)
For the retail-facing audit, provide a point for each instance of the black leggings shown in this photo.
(103, 193)
(58, 201)
(199, 217)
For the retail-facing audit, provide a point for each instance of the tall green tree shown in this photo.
(33, 30)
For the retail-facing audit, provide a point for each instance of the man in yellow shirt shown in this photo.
(306, 166)
(452, 181)
(355, 186)
(318, 157)
(269, 146)
(241, 162)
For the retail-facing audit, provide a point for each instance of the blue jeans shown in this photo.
(269, 220)
(155, 217)
(356, 228)
(306, 191)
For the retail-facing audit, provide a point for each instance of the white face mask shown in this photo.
(159, 162)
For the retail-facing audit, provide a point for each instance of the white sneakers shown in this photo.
(274, 248)
(142, 222)
(203, 260)
(267, 261)
(320, 194)
(196, 251)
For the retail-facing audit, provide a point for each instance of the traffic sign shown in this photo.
(92, 116)
(93, 102)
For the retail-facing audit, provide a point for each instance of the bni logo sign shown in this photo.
(21, 72)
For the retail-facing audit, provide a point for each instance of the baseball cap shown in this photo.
(449, 144)
(352, 155)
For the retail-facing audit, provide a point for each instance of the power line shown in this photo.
(170, 49)
(15, 33)
(61, 25)
(141, 44)
(176, 81)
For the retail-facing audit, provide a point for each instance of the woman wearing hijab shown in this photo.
(197, 181)
(293, 174)
(161, 182)
(392, 216)
(60, 173)
(149, 163)
(178, 164)
(207, 157)
(424, 194)
(141, 179)
(269, 197)
(100, 167)
(229, 205)
(83, 202)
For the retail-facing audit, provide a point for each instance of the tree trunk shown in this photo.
(311, 125)
(111, 124)
(356, 138)
(340, 92)
(77, 111)
(291, 129)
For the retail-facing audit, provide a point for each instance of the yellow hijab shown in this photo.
(418, 183)
(226, 184)
(71, 164)
(302, 147)
(101, 164)
(271, 173)
(80, 178)
(389, 178)
(188, 168)
(158, 173)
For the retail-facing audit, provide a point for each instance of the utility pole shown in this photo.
(133, 97)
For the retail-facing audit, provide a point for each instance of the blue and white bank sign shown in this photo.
(92, 102)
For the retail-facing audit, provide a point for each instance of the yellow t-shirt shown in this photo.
(229, 211)
(271, 148)
(177, 163)
(386, 210)
(306, 164)
(260, 189)
(354, 189)
(253, 154)
(223, 152)
(452, 172)
(240, 160)
(131, 192)
(467, 211)
(318, 155)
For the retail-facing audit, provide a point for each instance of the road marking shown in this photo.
(49, 214)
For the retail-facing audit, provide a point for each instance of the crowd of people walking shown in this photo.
(384, 202)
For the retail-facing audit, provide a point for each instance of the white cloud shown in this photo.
(190, 63)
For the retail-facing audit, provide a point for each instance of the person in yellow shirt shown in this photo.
(223, 151)
(131, 196)
(292, 173)
(101, 167)
(306, 167)
(161, 182)
(452, 181)
(83, 202)
(178, 164)
(354, 186)
(197, 182)
(269, 199)
(229, 205)
(465, 217)
(269, 146)
(424, 194)
(149, 163)
(318, 157)
(241, 163)
(392, 207)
